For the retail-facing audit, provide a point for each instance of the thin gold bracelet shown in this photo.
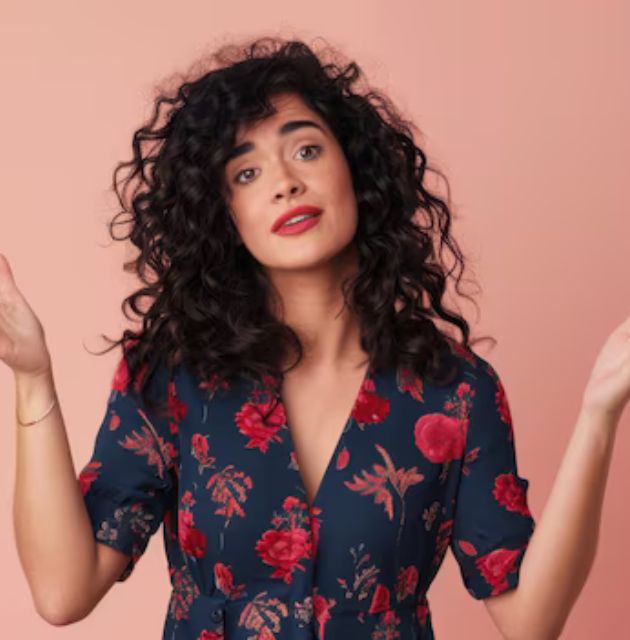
(28, 424)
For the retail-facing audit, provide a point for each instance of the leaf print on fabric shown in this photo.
(470, 457)
(184, 592)
(251, 422)
(133, 518)
(157, 452)
(364, 576)
(263, 615)
(290, 542)
(378, 483)
(303, 611)
(380, 599)
(342, 459)
(429, 515)
(229, 489)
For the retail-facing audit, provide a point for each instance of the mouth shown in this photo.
(295, 216)
(291, 228)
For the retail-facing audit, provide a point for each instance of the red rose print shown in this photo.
(192, 541)
(290, 502)
(510, 494)
(369, 406)
(283, 549)
(120, 381)
(211, 635)
(439, 437)
(496, 565)
(249, 421)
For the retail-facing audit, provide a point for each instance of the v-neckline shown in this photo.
(368, 374)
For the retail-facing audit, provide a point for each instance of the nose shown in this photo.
(287, 185)
(292, 190)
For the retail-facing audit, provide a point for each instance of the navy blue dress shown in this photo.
(417, 469)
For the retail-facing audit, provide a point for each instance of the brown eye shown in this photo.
(312, 146)
(236, 178)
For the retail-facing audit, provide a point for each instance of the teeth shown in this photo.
(298, 219)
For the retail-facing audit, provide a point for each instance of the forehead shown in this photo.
(288, 106)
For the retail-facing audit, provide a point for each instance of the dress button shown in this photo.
(217, 615)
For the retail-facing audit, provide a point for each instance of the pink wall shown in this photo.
(523, 105)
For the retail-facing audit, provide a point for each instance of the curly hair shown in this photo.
(209, 296)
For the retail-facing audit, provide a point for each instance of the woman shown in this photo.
(311, 440)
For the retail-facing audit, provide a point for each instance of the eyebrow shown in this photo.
(286, 128)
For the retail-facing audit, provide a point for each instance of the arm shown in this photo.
(561, 551)
(67, 572)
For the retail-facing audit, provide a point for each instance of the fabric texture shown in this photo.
(417, 469)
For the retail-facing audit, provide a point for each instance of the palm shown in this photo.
(22, 341)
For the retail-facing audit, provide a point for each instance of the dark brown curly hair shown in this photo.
(208, 297)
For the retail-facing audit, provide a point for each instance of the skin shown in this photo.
(306, 269)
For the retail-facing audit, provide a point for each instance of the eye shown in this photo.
(312, 146)
(306, 146)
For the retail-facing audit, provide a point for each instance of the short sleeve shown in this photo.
(492, 522)
(130, 480)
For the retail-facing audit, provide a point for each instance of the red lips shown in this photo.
(296, 211)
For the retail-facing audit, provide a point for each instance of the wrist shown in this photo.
(602, 418)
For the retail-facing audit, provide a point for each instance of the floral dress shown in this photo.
(417, 469)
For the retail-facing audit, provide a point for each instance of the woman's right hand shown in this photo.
(22, 341)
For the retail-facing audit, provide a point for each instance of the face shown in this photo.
(277, 171)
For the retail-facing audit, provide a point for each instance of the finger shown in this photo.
(7, 281)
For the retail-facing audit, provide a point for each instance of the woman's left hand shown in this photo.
(608, 388)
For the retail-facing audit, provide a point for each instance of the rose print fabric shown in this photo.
(417, 469)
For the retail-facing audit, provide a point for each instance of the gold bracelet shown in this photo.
(27, 424)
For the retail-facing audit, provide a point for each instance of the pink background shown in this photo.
(524, 106)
